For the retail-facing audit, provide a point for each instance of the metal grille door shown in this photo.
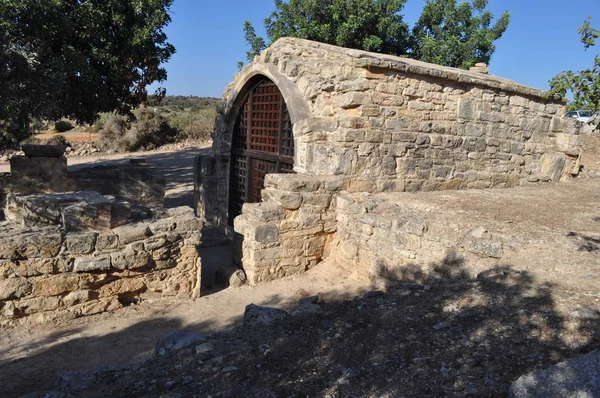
(262, 143)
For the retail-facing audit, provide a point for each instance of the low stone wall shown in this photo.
(390, 240)
(48, 272)
(290, 231)
(48, 174)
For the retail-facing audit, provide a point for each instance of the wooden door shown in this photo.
(262, 143)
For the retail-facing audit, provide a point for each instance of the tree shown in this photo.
(446, 33)
(371, 25)
(457, 35)
(585, 84)
(74, 59)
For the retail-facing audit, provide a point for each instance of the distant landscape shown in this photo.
(173, 119)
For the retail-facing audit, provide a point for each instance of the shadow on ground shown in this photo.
(38, 371)
(177, 168)
(441, 334)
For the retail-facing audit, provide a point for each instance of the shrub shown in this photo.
(112, 128)
(149, 130)
(57, 140)
(62, 125)
(195, 126)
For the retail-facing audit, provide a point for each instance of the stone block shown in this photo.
(266, 233)
(56, 284)
(317, 200)
(404, 137)
(263, 212)
(156, 242)
(552, 167)
(91, 264)
(107, 241)
(255, 315)
(40, 211)
(395, 124)
(120, 213)
(85, 216)
(39, 266)
(292, 182)
(466, 109)
(122, 286)
(132, 233)
(420, 105)
(43, 243)
(129, 258)
(576, 377)
(77, 297)
(81, 243)
(38, 304)
(95, 307)
(288, 201)
(14, 288)
(187, 223)
(40, 170)
(45, 151)
(352, 100)
(316, 124)
(484, 247)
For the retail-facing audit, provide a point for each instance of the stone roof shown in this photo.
(367, 59)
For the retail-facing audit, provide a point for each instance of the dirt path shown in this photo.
(176, 166)
(31, 356)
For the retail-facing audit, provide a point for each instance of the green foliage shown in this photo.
(74, 59)
(148, 131)
(371, 25)
(112, 128)
(192, 117)
(585, 84)
(447, 33)
(174, 118)
(256, 43)
(57, 140)
(62, 125)
(458, 35)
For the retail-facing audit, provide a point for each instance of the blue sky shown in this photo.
(540, 42)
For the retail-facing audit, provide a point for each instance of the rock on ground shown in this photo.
(576, 378)
(255, 314)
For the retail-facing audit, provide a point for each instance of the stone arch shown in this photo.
(260, 136)
(297, 106)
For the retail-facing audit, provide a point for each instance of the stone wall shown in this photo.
(53, 271)
(396, 124)
(389, 240)
(378, 123)
(44, 170)
(290, 230)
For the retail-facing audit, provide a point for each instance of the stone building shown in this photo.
(306, 121)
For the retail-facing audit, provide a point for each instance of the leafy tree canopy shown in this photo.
(585, 84)
(458, 35)
(447, 33)
(74, 59)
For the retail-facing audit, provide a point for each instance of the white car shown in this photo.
(582, 116)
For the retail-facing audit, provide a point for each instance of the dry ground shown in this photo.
(451, 335)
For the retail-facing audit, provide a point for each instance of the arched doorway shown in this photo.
(262, 143)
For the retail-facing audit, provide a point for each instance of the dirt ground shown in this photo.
(449, 336)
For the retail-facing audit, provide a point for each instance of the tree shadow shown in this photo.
(176, 168)
(58, 352)
(587, 244)
(436, 333)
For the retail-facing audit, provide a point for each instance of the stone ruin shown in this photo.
(307, 132)
(308, 123)
(68, 250)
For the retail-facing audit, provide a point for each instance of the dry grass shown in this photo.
(76, 135)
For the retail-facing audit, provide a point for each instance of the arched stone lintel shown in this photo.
(297, 106)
